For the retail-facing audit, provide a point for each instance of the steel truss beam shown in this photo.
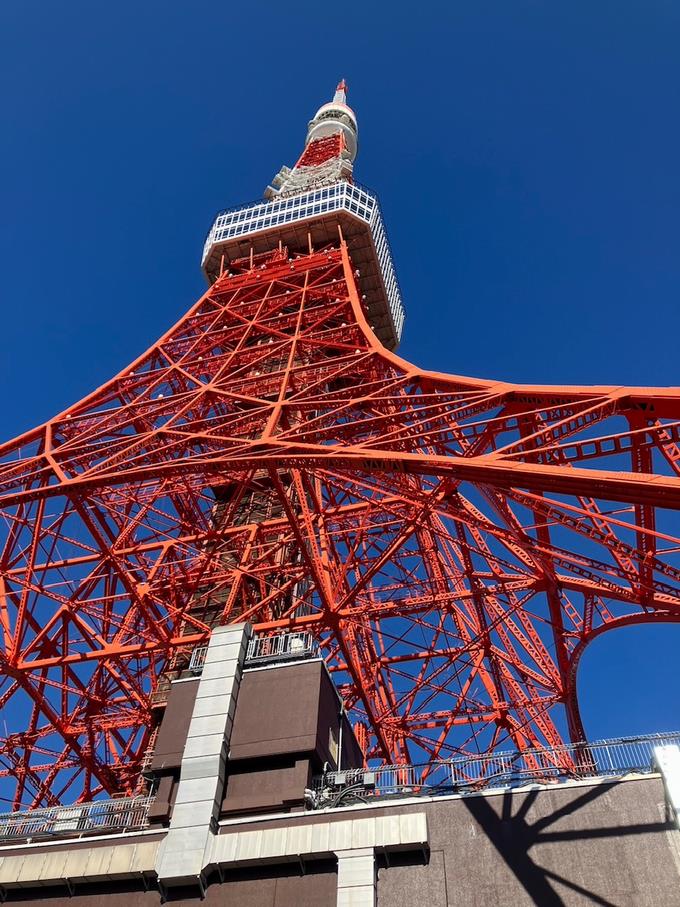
(454, 543)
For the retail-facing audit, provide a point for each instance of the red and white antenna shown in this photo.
(330, 149)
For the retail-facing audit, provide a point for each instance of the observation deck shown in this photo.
(315, 215)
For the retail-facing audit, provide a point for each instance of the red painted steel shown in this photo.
(322, 150)
(453, 543)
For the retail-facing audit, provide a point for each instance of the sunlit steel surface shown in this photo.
(453, 544)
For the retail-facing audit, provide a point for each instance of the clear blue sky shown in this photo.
(526, 154)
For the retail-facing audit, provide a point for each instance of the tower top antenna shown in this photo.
(333, 117)
(340, 96)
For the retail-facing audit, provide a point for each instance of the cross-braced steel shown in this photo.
(452, 543)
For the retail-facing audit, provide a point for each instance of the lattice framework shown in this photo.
(453, 543)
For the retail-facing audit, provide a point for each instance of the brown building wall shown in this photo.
(286, 726)
(172, 734)
(290, 709)
(286, 888)
(274, 786)
(277, 712)
(606, 844)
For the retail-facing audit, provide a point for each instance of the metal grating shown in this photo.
(282, 647)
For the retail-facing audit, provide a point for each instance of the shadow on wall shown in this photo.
(513, 836)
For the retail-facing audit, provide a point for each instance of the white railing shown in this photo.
(197, 659)
(282, 647)
(463, 774)
(76, 821)
(267, 649)
(264, 215)
(600, 758)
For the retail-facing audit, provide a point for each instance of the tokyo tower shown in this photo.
(452, 543)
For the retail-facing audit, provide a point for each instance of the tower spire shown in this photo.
(340, 96)
(329, 152)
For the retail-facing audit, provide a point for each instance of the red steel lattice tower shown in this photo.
(453, 543)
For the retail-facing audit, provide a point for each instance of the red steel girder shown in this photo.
(453, 543)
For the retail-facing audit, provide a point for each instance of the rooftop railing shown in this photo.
(466, 774)
(261, 650)
(197, 659)
(84, 819)
(282, 647)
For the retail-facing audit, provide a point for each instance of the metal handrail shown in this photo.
(269, 209)
(281, 647)
(546, 765)
(100, 816)
(197, 659)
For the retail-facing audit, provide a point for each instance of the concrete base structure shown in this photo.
(607, 843)
(228, 823)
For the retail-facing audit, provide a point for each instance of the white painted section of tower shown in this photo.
(340, 96)
(185, 850)
(667, 760)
